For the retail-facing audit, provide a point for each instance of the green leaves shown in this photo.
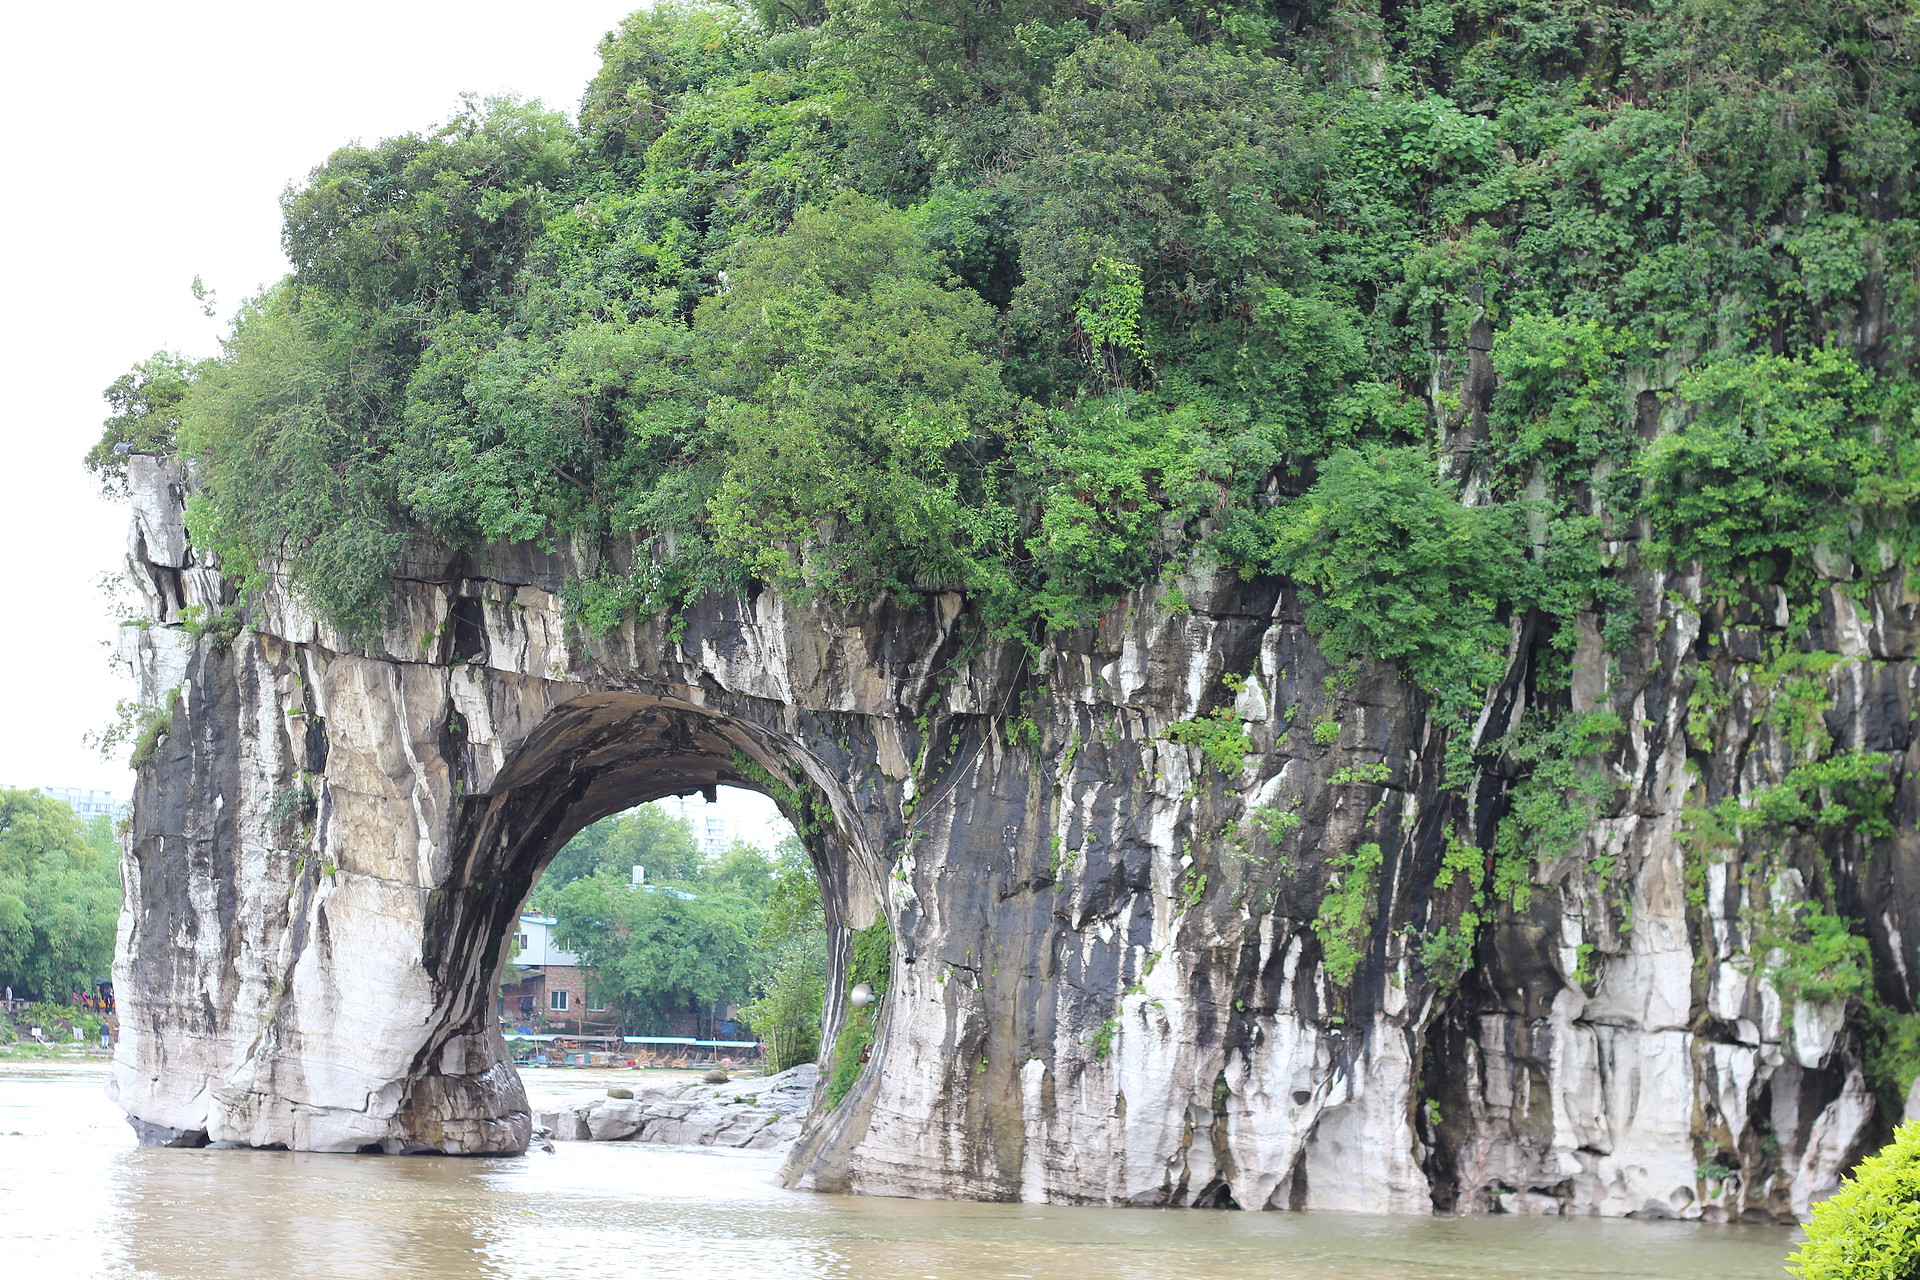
(1564, 787)
(146, 403)
(1398, 570)
(1108, 314)
(1347, 911)
(1822, 959)
(1559, 394)
(1870, 1228)
(291, 435)
(657, 949)
(644, 837)
(1221, 736)
(1848, 791)
(857, 398)
(698, 930)
(437, 222)
(59, 897)
(1777, 449)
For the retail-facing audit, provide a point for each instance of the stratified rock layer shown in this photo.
(1105, 984)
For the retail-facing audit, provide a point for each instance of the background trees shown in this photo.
(742, 928)
(644, 837)
(59, 897)
(660, 949)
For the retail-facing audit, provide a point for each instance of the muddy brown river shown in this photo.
(77, 1198)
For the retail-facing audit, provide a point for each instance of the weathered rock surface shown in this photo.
(759, 1112)
(1105, 983)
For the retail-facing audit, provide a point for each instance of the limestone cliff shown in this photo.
(1106, 986)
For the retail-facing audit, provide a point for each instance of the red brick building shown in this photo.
(551, 994)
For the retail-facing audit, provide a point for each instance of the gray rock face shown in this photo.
(1105, 983)
(757, 1113)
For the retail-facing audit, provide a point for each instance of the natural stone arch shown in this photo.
(1095, 997)
(340, 833)
(595, 755)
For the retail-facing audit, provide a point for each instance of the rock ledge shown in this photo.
(758, 1112)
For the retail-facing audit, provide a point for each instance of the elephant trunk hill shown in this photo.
(1122, 968)
(1328, 588)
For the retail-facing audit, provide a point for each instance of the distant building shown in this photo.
(714, 827)
(552, 987)
(89, 804)
(551, 994)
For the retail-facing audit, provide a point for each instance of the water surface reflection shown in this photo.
(75, 1194)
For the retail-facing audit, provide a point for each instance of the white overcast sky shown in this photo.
(147, 144)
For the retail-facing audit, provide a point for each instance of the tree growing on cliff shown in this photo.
(59, 897)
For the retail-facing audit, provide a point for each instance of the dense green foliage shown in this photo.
(1870, 1228)
(657, 951)
(1027, 300)
(59, 897)
(791, 977)
(743, 928)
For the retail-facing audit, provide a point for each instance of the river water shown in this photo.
(77, 1198)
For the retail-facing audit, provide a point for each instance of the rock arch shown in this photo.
(331, 840)
(1107, 987)
(596, 754)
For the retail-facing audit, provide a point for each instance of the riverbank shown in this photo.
(760, 1112)
(31, 1052)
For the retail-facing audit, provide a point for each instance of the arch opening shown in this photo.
(591, 759)
(683, 919)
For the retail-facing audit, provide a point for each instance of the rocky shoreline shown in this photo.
(759, 1112)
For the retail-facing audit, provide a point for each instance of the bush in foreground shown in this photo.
(1870, 1228)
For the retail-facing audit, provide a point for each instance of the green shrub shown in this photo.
(1777, 449)
(47, 1013)
(1398, 570)
(1823, 960)
(158, 723)
(221, 625)
(1347, 911)
(1870, 1228)
(1557, 799)
(1221, 736)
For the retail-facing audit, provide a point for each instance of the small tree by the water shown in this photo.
(791, 974)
